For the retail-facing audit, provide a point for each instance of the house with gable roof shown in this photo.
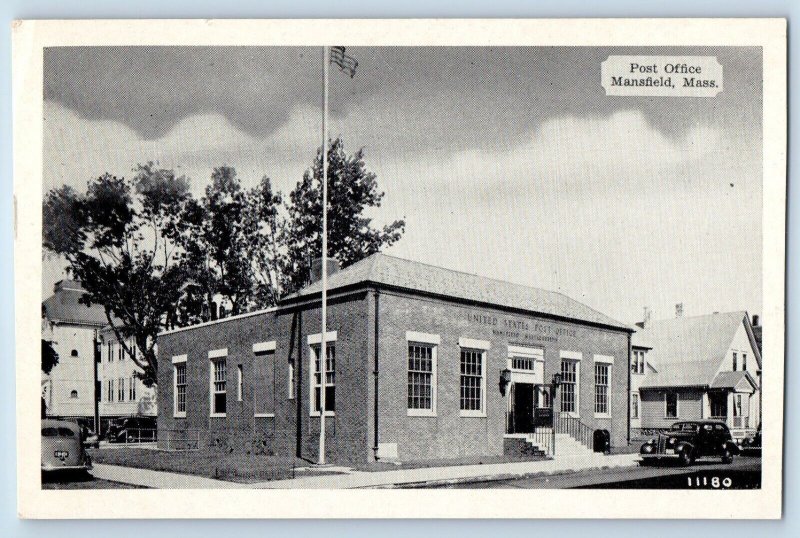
(700, 367)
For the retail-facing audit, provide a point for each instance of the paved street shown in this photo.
(743, 473)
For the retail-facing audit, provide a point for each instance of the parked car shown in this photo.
(751, 446)
(88, 437)
(688, 441)
(62, 449)
(132, 429)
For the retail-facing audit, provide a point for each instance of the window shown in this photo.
(744, 361)
(120, 355)
(601, 373)
(472, 382)
(734, 361)
(637, 361)
(73, 394)
(218, 386)
(671, 405)
(132, 389)
(522, 363)
(110, 348)
(180, 389)
(263, 379)
(74, 353)
(121, 390)
(110, 390)
(420, 377)
(239, 382)
(291, 380)
(569, 381)
(330, 378)
(635, 405)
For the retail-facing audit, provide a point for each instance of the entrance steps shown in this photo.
(541, 443)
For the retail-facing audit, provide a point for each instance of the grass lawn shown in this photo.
(209, 463)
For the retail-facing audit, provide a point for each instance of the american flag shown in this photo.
(346, 63)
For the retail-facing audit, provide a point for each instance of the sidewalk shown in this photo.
(377, 479)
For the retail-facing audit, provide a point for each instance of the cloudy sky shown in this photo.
(505, 162)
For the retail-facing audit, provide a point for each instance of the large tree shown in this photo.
(352, 190)
(121, 239)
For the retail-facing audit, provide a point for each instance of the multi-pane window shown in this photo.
(180, 388)
(601, 371)
(472, 373)
(734, 361)
(569, 381)
(120, 351)
(110, 348)
(671, 405)
(218, 388)
(635, 405)
(744, 361)
(522, 363)
(121, 389)
(420, 376)
(110, 390)
(132, 389)
(330, 378)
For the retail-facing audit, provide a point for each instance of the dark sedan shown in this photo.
(689, 441)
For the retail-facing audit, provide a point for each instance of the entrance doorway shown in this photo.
(522, 408)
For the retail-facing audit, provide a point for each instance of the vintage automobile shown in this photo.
(62, 447)
(751, 446)
(132, 430)
(688, 441)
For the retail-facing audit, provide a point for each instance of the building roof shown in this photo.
(688, 351)
(389, 271)
(638, 340)
(64, 306)
(738, 380)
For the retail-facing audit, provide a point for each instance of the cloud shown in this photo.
(607, 209)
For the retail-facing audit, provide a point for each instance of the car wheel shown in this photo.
(687, 458)
(727, 456)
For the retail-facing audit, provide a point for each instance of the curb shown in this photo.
(493, 478)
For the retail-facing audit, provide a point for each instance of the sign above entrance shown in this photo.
(520, 329)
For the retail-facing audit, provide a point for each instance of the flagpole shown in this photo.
(323, 350)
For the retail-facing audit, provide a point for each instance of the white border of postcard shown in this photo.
(29, 38)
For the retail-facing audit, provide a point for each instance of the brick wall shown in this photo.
(450, 435)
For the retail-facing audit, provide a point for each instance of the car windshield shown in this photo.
(684, 427)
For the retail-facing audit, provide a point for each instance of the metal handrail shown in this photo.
(572, 426)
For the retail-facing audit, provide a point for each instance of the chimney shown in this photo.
(679, 310)
(645, 317)
(316, 268)
(67, 284)
(756, 320)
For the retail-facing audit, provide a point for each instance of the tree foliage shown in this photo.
(352, 190)
(121, 241)
(49, 356)
(155, 257)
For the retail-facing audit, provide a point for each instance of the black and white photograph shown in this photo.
(351, 265)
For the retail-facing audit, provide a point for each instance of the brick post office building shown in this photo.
(422, 363)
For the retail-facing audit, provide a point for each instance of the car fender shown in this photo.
(733, 447)
(685, 445)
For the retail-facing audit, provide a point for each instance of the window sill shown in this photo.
(602, 415)
(264, 415)
(327, 414)
(670, 418)
(472, 414)
(218, 415)
(179, 415)
(420, 413)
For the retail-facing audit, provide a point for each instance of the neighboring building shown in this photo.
(122, 394)
(68, 390)
(639, 369)
(702, 367)
(422, 363)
